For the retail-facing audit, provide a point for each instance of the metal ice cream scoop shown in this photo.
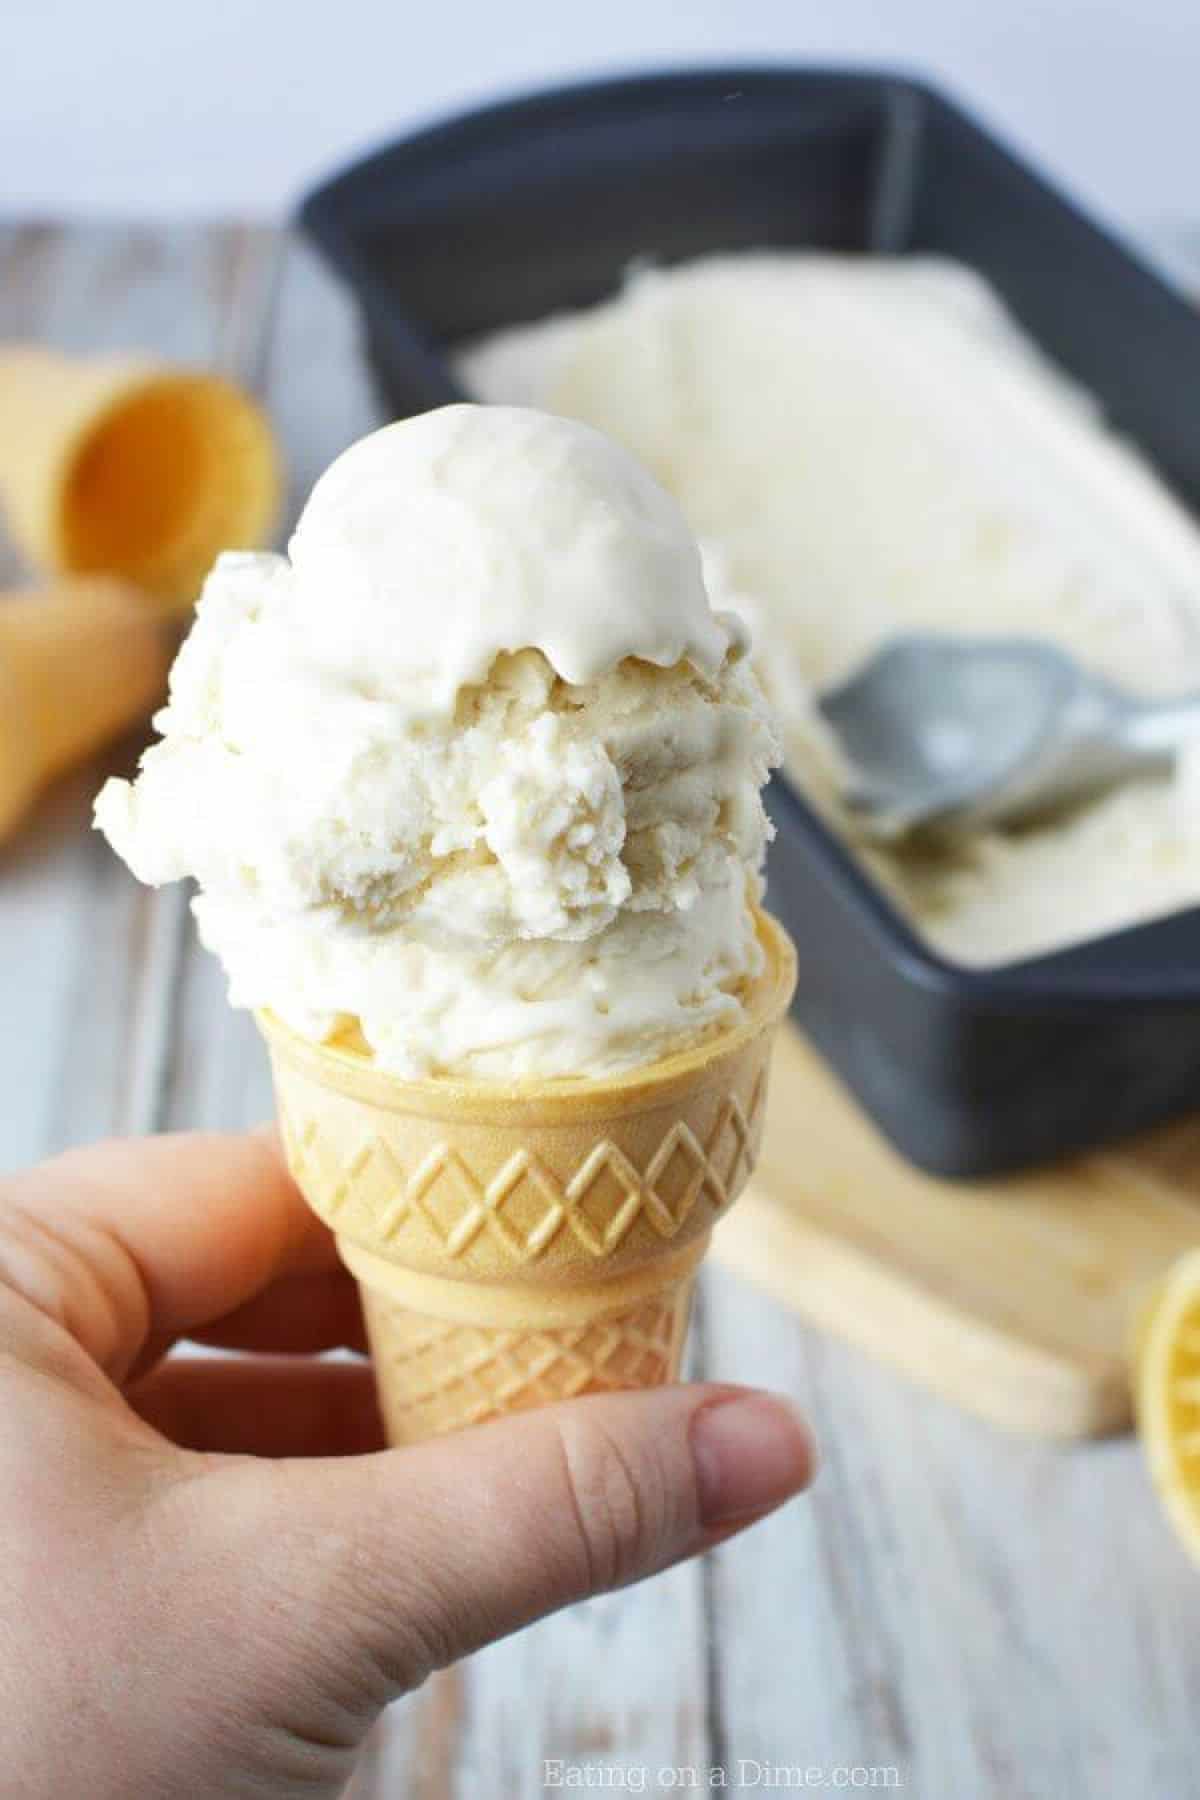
(955, 733)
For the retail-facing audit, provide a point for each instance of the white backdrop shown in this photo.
(170, 106)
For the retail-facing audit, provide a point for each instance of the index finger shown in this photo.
(155, 1237)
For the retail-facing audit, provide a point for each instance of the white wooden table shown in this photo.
(986, 1617)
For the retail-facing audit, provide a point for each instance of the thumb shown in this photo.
(370, 1572)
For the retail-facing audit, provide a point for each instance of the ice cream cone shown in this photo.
(78, 664)
(520, 1243)
(125, 466)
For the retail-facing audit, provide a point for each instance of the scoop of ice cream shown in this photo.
(477, 770)
(471, 530)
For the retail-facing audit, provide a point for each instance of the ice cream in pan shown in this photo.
(470, 786)
(869, 446)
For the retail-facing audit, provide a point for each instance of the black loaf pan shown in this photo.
(521, 209)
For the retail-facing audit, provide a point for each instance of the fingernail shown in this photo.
(751, 1452)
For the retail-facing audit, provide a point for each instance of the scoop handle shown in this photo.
(1163, 725)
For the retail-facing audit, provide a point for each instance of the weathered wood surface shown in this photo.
(989, 1617)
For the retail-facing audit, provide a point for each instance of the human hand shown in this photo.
(213, 1577)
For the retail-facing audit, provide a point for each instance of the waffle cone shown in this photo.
(516, 1244)
(79, 663)
(125, 466)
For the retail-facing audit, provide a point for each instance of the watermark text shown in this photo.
(746, 1775)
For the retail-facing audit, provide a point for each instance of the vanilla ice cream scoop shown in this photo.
(476, 769)
(517, 531)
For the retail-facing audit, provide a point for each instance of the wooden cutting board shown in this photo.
(1013, 1297)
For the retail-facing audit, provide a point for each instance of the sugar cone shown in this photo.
(79, 663)
(519, 1244)
(124, 466)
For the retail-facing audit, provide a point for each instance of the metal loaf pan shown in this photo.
(521, 209)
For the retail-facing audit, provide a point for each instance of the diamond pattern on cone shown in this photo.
(436, 1375)
(522, 1206)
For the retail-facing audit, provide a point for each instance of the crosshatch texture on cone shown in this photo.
(436, 1375)
(483, 1182)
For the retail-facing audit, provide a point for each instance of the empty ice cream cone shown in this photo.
(125, 466)
(521, 1243)
(78, 664)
